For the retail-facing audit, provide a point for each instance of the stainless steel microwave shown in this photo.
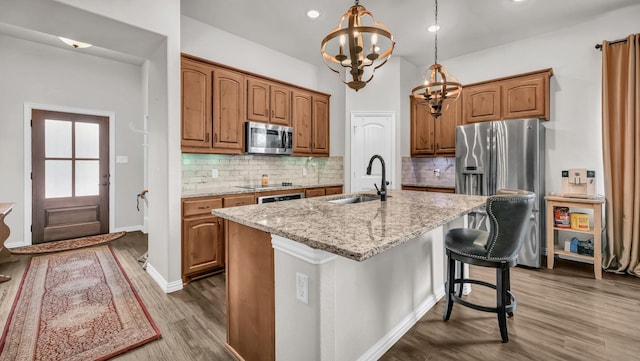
(264, 138)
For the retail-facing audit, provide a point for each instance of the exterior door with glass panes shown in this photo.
(70, 175)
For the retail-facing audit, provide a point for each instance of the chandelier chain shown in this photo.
(436, 42)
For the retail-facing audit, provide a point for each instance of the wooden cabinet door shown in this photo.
(202, 244)
(526, 97)
(422, 130)
(257, 100)
(481, 103)
(228, 111)
(196, 104)
(320, 123)
(301, 111)
(280, 105)
(445, 127)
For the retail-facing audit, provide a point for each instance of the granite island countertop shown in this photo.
(357, 231)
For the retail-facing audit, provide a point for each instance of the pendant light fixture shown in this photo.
(357, 47)
(438, 84)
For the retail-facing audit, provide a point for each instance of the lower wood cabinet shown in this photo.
(202, 237)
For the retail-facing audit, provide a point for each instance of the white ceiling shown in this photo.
(282, 25)
(466, 25)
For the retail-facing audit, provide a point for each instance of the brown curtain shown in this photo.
(621, 153)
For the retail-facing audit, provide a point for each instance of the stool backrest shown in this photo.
(509, 212)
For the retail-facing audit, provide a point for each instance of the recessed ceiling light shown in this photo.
(313, 14)
(433, 28)
(74, 43)
(518, 1)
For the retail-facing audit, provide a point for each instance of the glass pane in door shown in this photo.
(57, 138)
(87, 178)
(87, 140)
(57, 178)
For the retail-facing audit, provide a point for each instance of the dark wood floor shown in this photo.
(563, 314)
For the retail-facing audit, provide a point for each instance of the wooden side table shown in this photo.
(5, 208)
(596, 231)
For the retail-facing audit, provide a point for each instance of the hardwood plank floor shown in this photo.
(562, 314)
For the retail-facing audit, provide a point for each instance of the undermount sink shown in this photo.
(356, 199)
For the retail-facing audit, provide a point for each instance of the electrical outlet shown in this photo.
(304, 171)
(436, 172)
(302, 288)
(214, 173)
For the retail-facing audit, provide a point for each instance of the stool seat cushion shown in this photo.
(468, 242)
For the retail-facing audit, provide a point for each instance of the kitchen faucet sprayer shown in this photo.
(382, 191)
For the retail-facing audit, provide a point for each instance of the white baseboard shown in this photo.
(384, 344)
(167, 287)
(15, 244)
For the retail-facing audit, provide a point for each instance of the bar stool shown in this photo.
(509, 212)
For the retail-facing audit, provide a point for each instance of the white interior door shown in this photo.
(372, 133)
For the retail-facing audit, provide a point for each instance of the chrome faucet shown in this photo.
(382, 191)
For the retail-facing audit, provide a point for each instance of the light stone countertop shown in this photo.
(220, 191)
(357, 231)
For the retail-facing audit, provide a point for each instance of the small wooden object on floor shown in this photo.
(583, 203)
(5, 255)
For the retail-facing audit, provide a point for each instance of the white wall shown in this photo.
(47, 75)
(574, 138)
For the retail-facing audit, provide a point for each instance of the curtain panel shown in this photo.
(621, 153)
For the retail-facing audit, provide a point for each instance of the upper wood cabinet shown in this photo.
(268, 102)
(434, 137)
(481, 103)
(520, 96)
(526, 97)
(217, 100)
(228, 111)
(310, 113)
(213, 102)
(196, 81)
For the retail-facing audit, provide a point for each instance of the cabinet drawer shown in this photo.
(314, 192)
(240, 200)
(333, 190)
(200, 206)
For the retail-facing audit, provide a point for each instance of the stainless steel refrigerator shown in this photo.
(504, 154)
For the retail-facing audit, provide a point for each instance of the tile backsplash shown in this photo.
(423, 171)
(239, 170)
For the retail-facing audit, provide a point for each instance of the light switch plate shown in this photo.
(122, 159)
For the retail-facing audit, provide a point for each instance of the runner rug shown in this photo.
(76, 305)
(57, 246)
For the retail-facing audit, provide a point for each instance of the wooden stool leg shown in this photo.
(450, 287)
(501, 296)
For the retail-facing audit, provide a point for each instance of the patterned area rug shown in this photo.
(68, 244)
(77, 305)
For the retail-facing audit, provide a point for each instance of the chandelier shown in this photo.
(354, 49)
(438, 84)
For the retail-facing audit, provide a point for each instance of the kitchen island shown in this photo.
(311, 279)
